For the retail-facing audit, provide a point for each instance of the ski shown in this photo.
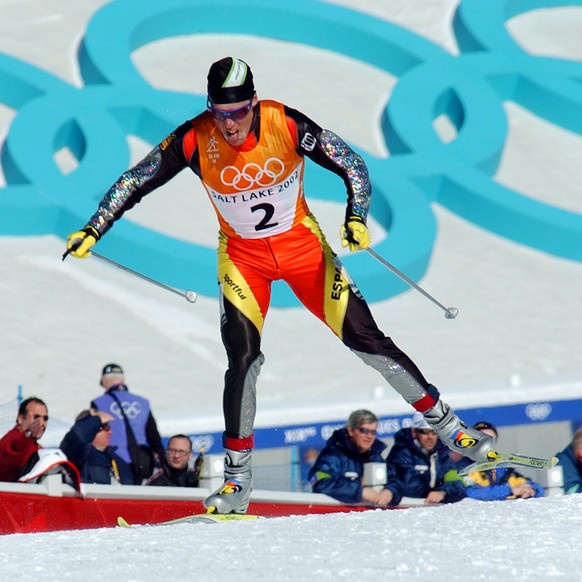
(196, 518)
(514, 460)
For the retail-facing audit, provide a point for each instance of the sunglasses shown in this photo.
(367, 430)
(45, 417)
(105, 426)
(237, 114)
(425, 431)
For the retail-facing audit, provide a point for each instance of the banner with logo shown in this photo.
(314, 435)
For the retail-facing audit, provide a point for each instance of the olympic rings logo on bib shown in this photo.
(252, 175)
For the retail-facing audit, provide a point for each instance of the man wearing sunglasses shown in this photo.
(87, 445)
(421, 462)
(339, 468)
(18, 445)
(250, 157)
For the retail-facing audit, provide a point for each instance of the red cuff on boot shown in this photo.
(238, 444)
(428, 400)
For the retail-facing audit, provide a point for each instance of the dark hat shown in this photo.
(230, 80)
(481, 425)
(112, 369)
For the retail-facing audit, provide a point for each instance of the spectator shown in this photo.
(339, 468)
(420, 462)
(87, 446)
(497, 484)
(570, 459)
(134, 431)
(175, 470)
(18, 445)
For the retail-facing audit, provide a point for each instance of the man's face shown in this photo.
(178, 453)
(426, 437)
(363, 436)
(234, 130)
(36, 414)
(111, 380)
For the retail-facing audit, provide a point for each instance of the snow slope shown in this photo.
(517, 540)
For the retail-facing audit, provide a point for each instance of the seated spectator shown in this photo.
(498, 484)
(420, 462)
(339, 468)
(19, 445)
(87, 446)
(175, 470)
(570, 459)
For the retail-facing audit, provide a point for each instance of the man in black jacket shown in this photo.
(175, 471)
(420, 462)
(87, 446)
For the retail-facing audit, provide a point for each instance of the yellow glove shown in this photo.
(355, 234)
(79, 243)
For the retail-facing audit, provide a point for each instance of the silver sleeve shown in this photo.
(353, 166)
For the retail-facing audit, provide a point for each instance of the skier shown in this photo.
(249, 155)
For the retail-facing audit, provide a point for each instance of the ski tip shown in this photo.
(121, 522)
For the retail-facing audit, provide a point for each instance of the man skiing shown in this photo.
(249, 155)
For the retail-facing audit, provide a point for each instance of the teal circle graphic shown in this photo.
(469, 89)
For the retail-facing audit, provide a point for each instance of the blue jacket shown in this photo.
(339, 468)
(572, 469)
(412, 467)
(496, 484)
(95, 466)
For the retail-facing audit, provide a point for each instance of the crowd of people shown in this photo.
(418, 466)
(354, 466)
(113, 442)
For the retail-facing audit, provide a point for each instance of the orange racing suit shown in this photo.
(267, 233)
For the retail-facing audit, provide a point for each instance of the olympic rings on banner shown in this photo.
(469, 89)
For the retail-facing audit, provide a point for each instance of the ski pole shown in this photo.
(450, 312)
(190, 296)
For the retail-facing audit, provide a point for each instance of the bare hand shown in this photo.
(35, 428)
(523, 490)
(435, 497)
(378, 498)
